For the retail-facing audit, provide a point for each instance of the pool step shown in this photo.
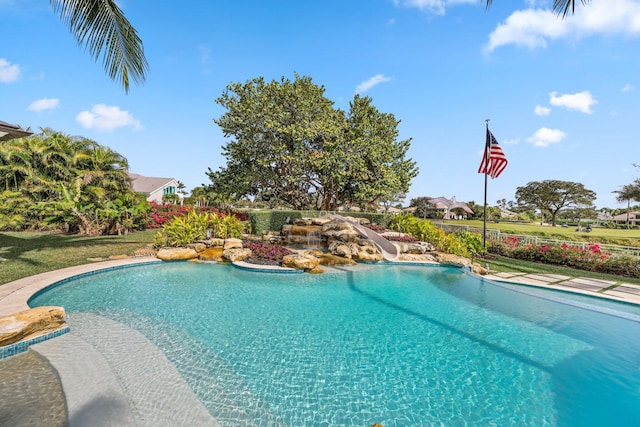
(93, 394)
(113, 375)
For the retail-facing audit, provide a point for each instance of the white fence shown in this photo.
(494, 234)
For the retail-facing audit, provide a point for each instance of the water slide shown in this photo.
(388, 249)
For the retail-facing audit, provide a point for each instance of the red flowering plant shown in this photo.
(160, 214)
(588, 258)
(265, 253)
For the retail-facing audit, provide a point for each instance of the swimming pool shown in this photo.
(396, 345)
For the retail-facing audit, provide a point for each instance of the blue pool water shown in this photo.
(396, 345)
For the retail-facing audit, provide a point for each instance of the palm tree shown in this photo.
(559, 6)
(101, 27)
(628, 192)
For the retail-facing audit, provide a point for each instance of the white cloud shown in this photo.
(544, 137)
(628, 88)
(437, 7)
(8, 72)
(373, 81)
(581, 101)
(533, 28)
(205, 54)
(542, 111)
(43, 104)
(104, 117)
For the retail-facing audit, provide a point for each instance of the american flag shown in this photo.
(497, 160)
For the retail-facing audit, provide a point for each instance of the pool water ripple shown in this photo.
(395, 345)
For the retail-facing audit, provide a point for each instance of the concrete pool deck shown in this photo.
(103, 388)
(617, 291)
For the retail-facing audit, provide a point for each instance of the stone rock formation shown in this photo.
(236, 254)
(176, 254)
(30, 323)
(304, 262)
(211, 254)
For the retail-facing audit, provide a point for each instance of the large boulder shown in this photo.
(176, 254)
(30, 323)
(232, 243)
(300, 261)
(368, 253)
(331, 260)
(454, 260)
(198, 247)
(211, 254)
(345, 240)
(236, 254)
(340, 231)
(429, 258)
(414, 247)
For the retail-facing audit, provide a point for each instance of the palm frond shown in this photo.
(100, 26)
(561, 7)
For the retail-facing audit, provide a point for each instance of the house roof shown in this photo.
(9, 131)
(146, 184)
(444, 203)
(623, 216)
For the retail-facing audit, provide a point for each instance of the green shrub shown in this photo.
(181, 231)
(473, 242)
(228, 226)
(193, 226)
(426, 231)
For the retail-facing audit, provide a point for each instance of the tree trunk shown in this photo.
(86, 229)
(628, 208)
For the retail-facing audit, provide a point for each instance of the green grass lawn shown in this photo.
(616, 236)
(27, 254)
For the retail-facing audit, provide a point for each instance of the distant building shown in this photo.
(441, 207)
(154, 188)
(634, 218)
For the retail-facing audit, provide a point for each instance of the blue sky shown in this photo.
(561, 95)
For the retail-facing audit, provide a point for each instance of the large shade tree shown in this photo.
(553, 195)
(290, 146)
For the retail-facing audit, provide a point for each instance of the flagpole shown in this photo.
(486, 168)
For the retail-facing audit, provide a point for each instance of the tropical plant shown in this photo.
(60, 174)
(183, 230)
(102, 28)
(628, 193)
(194, 226)
(561, 7)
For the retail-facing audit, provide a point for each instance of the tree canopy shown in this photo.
(627, 193)
(552, 195)
(291, 146)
